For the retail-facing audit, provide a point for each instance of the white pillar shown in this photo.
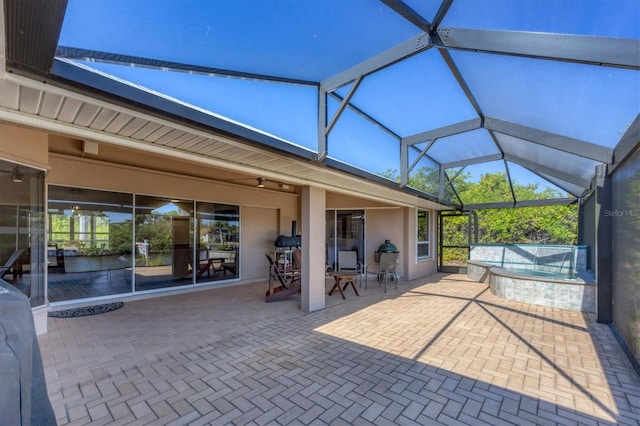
(313, 249)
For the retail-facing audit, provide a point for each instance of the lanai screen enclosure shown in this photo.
(412, 94)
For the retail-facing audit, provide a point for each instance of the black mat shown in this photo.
(86, 310)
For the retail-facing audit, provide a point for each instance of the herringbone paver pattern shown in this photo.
(437, 351)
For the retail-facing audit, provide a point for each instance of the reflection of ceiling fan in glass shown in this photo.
(14, 174)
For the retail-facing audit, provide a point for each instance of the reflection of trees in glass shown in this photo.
(120, 237)
(422, 225)
(156, 229)
(423, 233)
(87, 231)
(59, 224)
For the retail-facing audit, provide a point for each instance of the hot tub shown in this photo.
(519, 272)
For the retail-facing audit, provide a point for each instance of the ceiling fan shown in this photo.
(261, 182)
(14, 174)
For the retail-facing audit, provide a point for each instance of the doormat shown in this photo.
(86, 310)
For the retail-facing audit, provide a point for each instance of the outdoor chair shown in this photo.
(348, 261)
(231, 264)
(289, 282)
(384, 270)
(202, 265)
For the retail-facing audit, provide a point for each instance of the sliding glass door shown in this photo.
(345, 231)
(105, 243)
(89, 248)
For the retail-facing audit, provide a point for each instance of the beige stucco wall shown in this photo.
(343, 201)
(24, 146)
(381, 225)
(86, 173)
(257, 235)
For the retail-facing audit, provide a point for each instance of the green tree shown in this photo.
(542, 225)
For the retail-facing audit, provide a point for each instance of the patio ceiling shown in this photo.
(336, 92)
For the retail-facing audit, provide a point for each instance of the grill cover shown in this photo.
(284, 241)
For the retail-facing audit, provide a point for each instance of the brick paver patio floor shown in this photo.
(441, 350)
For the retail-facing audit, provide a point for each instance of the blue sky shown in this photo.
(315, 39)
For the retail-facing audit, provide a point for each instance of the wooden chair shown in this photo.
(231, 265)
(289, 282)
(202, 265)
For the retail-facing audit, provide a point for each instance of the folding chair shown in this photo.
(289, 282)
(384, 270)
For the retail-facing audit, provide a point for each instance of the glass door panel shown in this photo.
(22, 229)
(89, 243)
(345, 231)
(218, 248)
(163, 242)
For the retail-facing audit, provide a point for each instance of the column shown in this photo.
(313, 248)
(604, 271)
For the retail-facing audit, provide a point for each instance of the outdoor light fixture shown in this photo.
(16, 175)
(75, 207)
(260, 182)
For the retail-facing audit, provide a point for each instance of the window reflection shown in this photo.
(22, 229)
(89, 247)
(423, 234)
(99, 244)
(218, 241)
(164, 252)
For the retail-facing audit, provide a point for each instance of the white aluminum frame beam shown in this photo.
(409, 14)
(404, 50)
(66, 52)
(583, 183)
(405, 169)
(475, 160)
(561, 184)
(444, 131)
(562, 143)
(343, 105)
(604, 51)
(628, 144)
(523, 203)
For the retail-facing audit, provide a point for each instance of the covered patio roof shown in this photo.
(394, 93)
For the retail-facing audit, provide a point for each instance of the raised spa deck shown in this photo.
(553, 276)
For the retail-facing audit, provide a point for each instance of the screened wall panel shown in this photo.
(463, 146)
(425, 176)
(483, 180)
(286, 111)
(594, 104)
(360, 143)
(545, 73)
(547, 16)
(625, 220)
(407, 96)
(582, 168)
(530, 186)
